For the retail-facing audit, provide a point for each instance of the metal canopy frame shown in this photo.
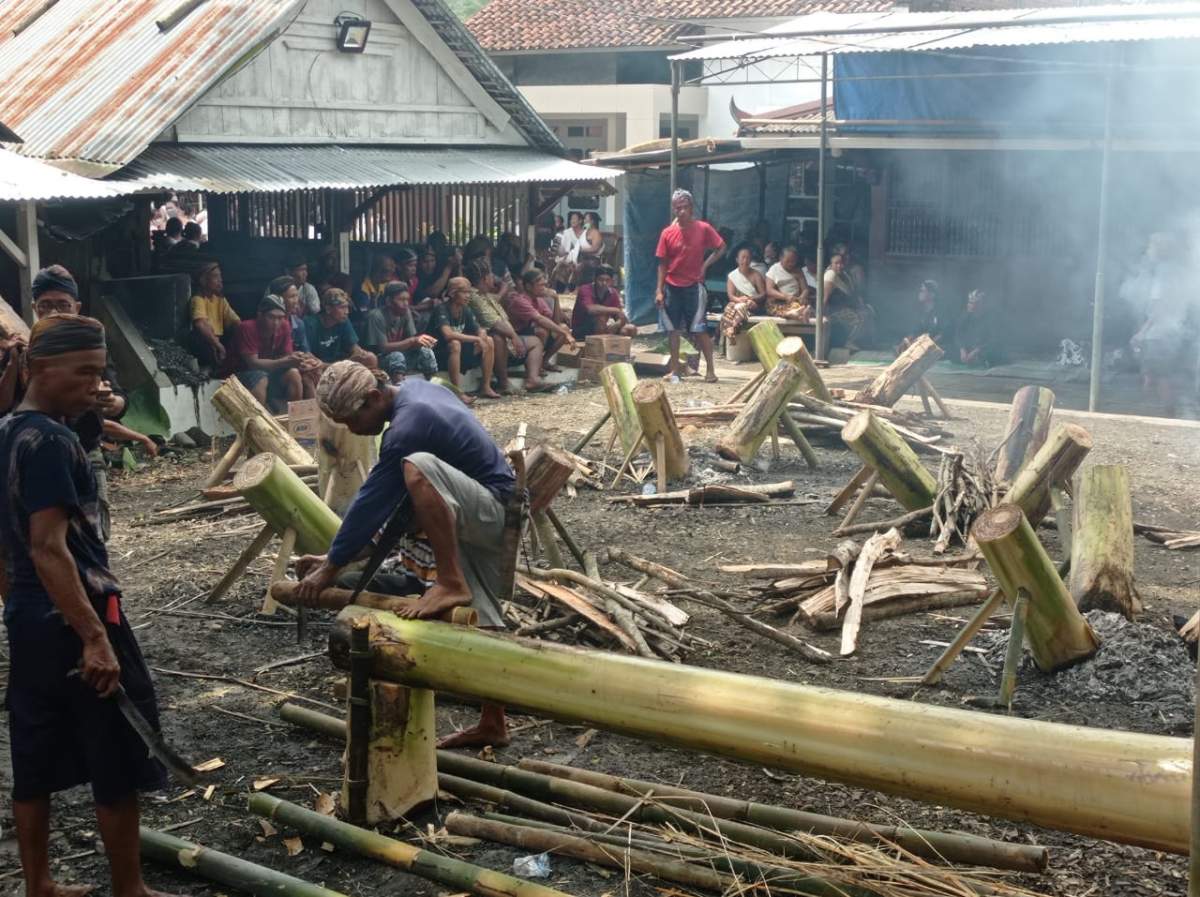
(785, 63)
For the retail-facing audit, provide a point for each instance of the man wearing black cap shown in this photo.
(70, 645)
(296, 267)
(268, 364)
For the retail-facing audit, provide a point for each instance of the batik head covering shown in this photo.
(343, 388)
(59, 334)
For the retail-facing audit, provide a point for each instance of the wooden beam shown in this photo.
(12, 250)
(27, 239)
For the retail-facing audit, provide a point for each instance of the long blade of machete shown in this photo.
(396, 526)
(158, 748)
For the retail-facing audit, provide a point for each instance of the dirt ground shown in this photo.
(204, 718)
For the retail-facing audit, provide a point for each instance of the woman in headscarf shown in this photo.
(849, 314)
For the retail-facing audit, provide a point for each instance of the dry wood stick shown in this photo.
(591, 433)
(628, 458)
(937, 398)
(226, 463)
(703, 596)
(845, 493)
(1012, 657)
(897, 522)
(572, 546)
(798, 438)
(746, 388)
(859, 501)
(245, 559)
(287, 544)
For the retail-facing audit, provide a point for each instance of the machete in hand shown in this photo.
(155, 743)
(393, 532)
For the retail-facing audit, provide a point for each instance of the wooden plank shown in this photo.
(574, 602)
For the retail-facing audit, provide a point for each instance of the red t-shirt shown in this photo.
(684, 248)
(249, 343)
(522, 308)
(585, 298)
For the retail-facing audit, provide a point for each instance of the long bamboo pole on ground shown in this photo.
(1102, 542)
(1052, 465)
(1026, 431)
(881, 448)
(221, 867)
(951, 847)
(283, 501)
(618, 381)
(456, 874)
(1058, 633)
(1092, 783)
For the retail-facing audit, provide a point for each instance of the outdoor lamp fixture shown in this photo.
(351, 33)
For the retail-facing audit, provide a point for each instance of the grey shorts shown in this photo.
(480, 520)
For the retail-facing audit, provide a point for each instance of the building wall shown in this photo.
(407, 87)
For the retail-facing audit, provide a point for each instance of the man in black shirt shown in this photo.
(70, 645)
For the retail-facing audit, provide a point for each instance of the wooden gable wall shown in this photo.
(406, 88)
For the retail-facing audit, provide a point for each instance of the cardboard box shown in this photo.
(590, 368)
(302, 423)
(568, 357)
(604, 345)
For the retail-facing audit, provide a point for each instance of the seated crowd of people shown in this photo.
(417, 311)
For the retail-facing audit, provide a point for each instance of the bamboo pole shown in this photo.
(238, 406)
(994, 599)
(232, 871)
(900, 470)
(1026, 431)
(1052, 465)
(359, 724)
(299, 715)
(1016, 648)
(283, 501)
(1102, 542)
(287, 545)
(591, 433)
(619, 380)
(1058, 634)
(1092, 783)
(455, 874)
(249, 554)
(950, 847)
(226, 463)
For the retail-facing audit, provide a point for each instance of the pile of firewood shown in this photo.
(858, 583)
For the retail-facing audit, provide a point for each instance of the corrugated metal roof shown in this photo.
(958, 30)
(240, 169)
(23, 179)
(97, 80)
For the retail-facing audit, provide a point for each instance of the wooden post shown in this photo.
(759, 417)
(619, 380)
(283, 500)
(1102, 542)
(238, 406)
(900, 470)
(844, 494)
(1016, 646)
(657, 419)
(968, 632)
(902, 374)
(1058, 634)
(226, 463)
(27, 240)
(799, 439)
(546, 541)
(593, 430)
(868, 486)
(1027, 429)
(256, 547)
(343, 462)
(358, 722)
(287, 544)
(1054, 464)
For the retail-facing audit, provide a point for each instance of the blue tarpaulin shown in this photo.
(1049, 89)
(647, 212)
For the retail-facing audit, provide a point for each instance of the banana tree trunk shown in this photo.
(1052, 465)
(618, 380)
(902, 374)
(882, 449)
(1028, 427)
(1102, 542)
(343, 461)
(238, 406)
(1094, 782)
(282, 500)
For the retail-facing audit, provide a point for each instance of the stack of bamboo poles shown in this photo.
(698, 840)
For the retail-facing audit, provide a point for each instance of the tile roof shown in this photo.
(514, 25)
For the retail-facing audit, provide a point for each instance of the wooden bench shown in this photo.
(788, 328)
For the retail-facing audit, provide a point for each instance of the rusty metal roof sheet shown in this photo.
(23, 180)
(224, 168)
(97, 80)
(899, 30)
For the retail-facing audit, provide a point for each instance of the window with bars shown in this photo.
(977, 205)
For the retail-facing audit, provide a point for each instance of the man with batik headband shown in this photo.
(56, 293)
(70, 646)
(440, 463)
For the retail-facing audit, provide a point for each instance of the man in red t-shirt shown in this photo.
(598, 307)
(268, 366)
(682, 247)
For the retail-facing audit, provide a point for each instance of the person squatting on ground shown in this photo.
(437, 458)
(682, 264)
(70, 645)
(393, 336)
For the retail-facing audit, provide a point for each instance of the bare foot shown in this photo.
(436, 602)
(553, 368)
(467, 399)
(488, 394)
(476, 736)
(711, 378)
(668, 375)
(54, 889)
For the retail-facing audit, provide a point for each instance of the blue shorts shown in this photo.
(683, 309)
